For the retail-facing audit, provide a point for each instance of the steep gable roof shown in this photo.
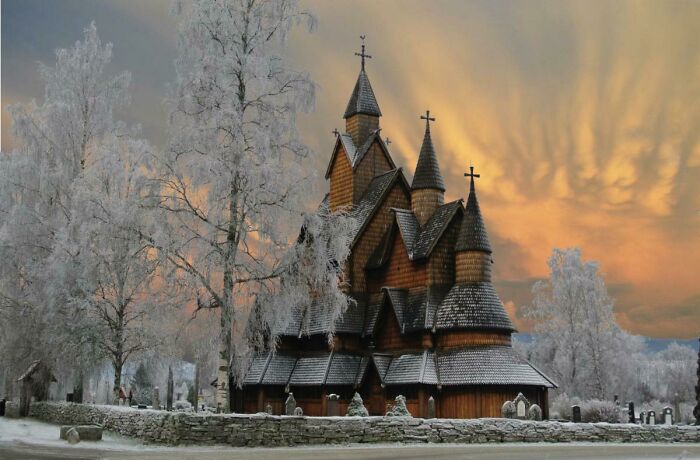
(356, 154)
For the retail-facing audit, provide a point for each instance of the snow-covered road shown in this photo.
(30, 439)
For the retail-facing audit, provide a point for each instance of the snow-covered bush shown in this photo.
(560, 406)
(399, 409)
(595, 410)
(182, 405)
(356, 408)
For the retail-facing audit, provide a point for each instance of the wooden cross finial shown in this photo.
(427, 118)
(362, 53)
(336, 132)
(387, 141)
(471, 175)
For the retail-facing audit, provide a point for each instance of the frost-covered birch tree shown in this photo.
(55, 139)
(234, 185)
(577, 339)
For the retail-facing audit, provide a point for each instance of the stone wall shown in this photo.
(270, 430)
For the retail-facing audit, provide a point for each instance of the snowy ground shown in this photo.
(30, 439)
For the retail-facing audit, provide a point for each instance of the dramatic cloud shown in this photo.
(582, 118)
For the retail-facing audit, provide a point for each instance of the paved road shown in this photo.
(30, 439)
(384, 452)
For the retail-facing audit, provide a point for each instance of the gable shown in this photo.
(341, 180)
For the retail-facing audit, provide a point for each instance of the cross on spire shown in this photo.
(387, 141)
(427, 118)
(336, 132)
(471, 175)
(362, 53)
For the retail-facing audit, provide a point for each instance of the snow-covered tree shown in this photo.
(234, 183)
(55, 140)
(577, 339)
(107, 283)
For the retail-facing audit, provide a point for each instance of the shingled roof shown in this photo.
(419, 241)
(362, 99)
(321, 368)
(472, 234)
(427, 173)
(482, 365)
(472, 306)
(415, 311)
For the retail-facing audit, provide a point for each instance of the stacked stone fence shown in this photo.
(164, 427)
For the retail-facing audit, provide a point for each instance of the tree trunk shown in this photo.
(118, 365)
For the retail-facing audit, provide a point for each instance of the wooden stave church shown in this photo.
(426, 319)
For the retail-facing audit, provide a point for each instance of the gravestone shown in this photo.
(333, 405)
(298, 411)
(156, 399)
(3, 401)
(290, 404)
(630, 412)
(668, 416)
(268, 409)
(356, 408)
(431, 407)
(642, 417)
(534, 413)
(521, 406)
(651, 418)
(169, 391)
(69, 397)
(508, 409)
(576, 414)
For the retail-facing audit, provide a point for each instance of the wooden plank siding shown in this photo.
(455, 339)
(396, 198)
(341, 180)
(483, 401)
(373, 164)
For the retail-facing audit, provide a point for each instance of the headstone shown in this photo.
(616, 400)
(356, 408)
(508, 409)
(431, 407)
(576, 414)
(630, 412)
(72, 436)
(142, 406)
(69, 397)
(332, 406)
(534, 413)
(268, 409)
(156, 399)
(642, 417)
(12, 409)
(290, 404)
(169, 391)
(651, 418)
(298, 411)
(3, 401)
(521, 406)
(668, 416)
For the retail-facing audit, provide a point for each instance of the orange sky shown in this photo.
(583, 119)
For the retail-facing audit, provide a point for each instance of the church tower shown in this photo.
(362, 113)
(473, 250)
(428, 188)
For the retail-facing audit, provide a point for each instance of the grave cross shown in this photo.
(362, 53)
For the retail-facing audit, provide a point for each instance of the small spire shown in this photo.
(472, 233)
(428, 173)
(362, 99)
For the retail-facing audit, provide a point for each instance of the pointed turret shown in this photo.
(473, 250)
(428, 188)
(362, 113)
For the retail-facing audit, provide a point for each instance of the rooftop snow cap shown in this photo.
(472, 233)
(362, 99)
(428, 170)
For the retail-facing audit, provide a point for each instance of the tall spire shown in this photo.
(362, 99)
(472, 234)
(427, 170)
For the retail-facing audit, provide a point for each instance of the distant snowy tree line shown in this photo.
(578, 342)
